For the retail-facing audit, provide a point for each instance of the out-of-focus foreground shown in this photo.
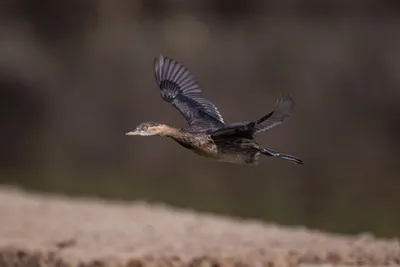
(76, 75)
(84, 232)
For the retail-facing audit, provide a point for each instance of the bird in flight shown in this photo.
(207, 134)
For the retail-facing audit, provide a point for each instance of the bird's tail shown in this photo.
(273, 153)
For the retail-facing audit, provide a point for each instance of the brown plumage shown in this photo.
(208, 135)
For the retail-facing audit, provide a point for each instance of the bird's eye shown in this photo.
(144, 128)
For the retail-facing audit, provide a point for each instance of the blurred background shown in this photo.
(75, 76)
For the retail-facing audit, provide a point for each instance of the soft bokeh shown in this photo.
(76, 75)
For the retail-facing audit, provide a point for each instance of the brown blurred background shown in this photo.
(76, 75)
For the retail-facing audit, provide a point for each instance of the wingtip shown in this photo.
(285, 97)
(285, 100)
(159, 58)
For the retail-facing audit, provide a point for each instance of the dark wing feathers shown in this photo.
(180, 88)
(283, 108)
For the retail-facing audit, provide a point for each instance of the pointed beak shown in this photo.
(134, 132)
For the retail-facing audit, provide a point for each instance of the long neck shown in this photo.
(172, 132)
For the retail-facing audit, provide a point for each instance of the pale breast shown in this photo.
(205, 146)
(231, 150)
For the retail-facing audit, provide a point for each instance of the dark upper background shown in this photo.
(76, 75)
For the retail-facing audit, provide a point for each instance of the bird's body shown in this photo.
(208, 135)
(227, 149)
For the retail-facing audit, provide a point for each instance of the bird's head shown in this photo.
(149, 129)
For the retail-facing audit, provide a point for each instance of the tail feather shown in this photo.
(273, 153)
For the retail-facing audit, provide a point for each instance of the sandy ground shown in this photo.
(37, 230)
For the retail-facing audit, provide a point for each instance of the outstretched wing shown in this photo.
(180, 88)
(283, 108)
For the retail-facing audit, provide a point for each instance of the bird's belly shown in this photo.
(233, 157)
(231, 151)
(209, 153)
(203, 147)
